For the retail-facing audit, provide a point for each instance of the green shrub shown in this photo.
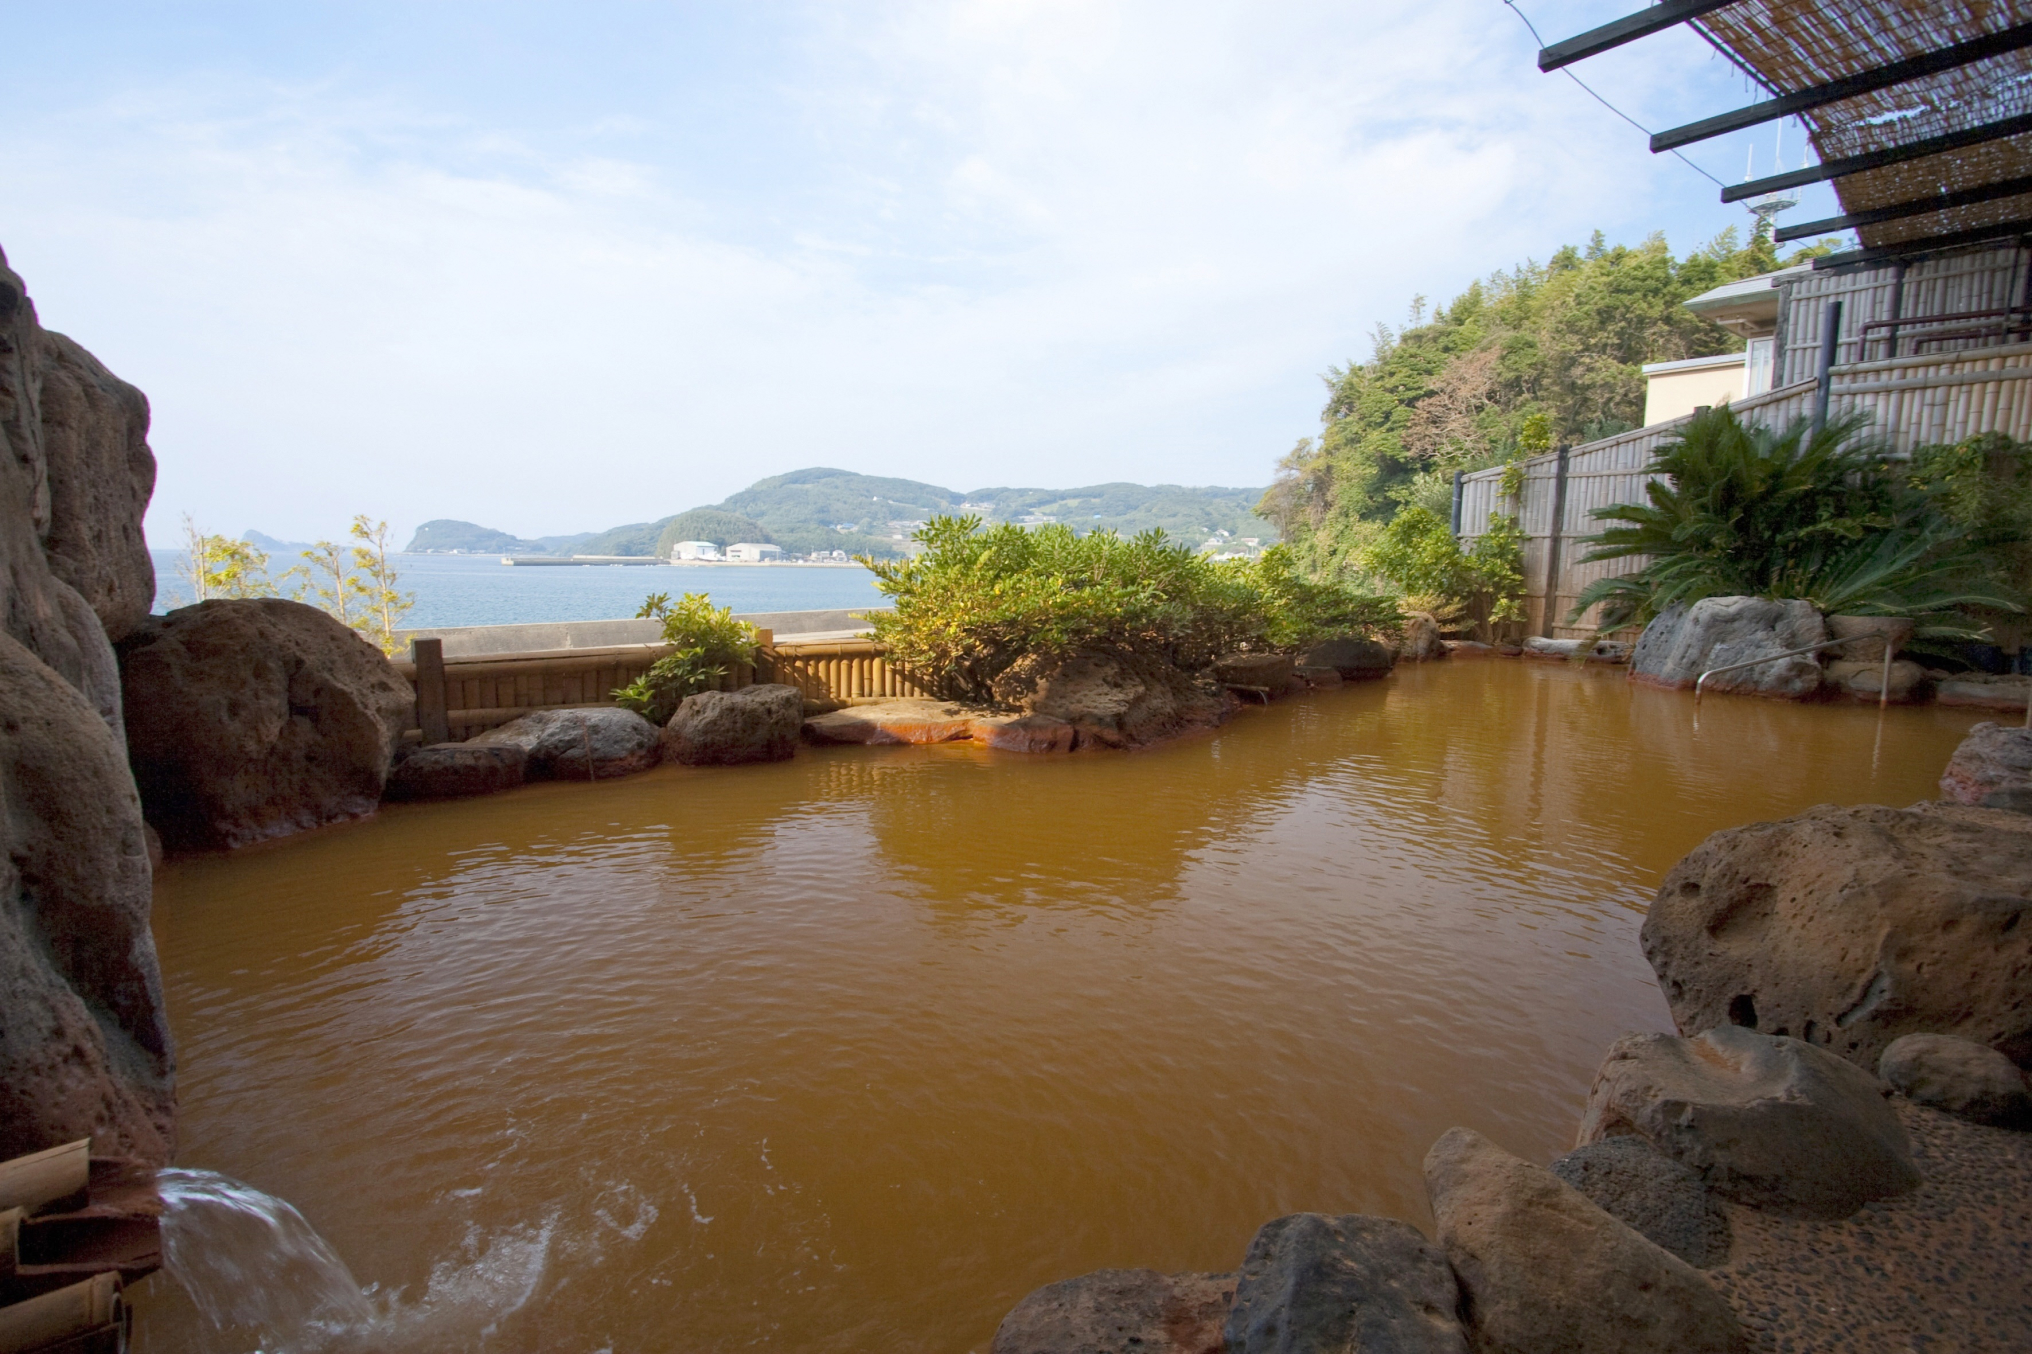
(1740, 509)
(709, 643)
(975, 600)
(1418, 553)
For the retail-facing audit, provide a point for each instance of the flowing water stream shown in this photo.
(849, 1053)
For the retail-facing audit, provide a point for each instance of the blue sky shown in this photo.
(555, 267)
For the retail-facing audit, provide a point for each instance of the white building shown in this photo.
(747, 552)
(1748, 308)
(694, 550)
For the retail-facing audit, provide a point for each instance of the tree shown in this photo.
(383, 604)
(1522, 361)
(219, 566)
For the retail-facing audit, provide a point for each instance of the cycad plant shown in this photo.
(1740, 509)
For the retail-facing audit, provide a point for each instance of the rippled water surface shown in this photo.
(851, 1052)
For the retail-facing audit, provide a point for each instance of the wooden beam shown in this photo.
(1877, 159)
(428, 655)
(1629, 28)
(1897, 211)
(1926, 244)
(2012, 39)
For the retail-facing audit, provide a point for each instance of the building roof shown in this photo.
(1718, 361)
(1920, 110)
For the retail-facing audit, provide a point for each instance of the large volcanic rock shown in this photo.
(1315, 1283)
(1992, 767)
(1114, 700)
(84, 1047)
(1766, 1121)
(758, 723)
(1120, 1311)
(1848, 927)
(1542, 1268)
(579, 744)
(1683, 642)
(256, 718)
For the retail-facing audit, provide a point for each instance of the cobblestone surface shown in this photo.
(1945, 1269)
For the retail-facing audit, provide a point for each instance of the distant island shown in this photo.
(820, 511)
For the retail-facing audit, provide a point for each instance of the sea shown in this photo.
(480, 590)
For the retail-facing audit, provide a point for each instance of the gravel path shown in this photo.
(1946, 1269)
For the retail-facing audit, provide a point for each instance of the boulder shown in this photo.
(1120, 1311)
(256, 718)
(758, 723)
(1683, 642)
(1316, 677)
(1469, 648)
(1537, 646)
(456, 771)
(1836, 925)
(1263, 671)
(1992, 767)
(1866, 637)
(84, 1041)
(1319, 1284)
(1543, 1269)
(897, 721)
(1865, 681)
(2001, 693)
(1420, 641)
(1611, 651)
(600, 744)
(101, 474)
(1765, 1120)
(1022, 733)
(1113, 700)
(1959, 1076)
(1642, 1188)
(1351, 656)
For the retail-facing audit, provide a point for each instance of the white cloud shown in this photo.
(989, 242)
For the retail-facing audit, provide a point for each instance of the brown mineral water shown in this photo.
(851, 1052)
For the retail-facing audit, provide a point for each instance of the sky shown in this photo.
(554, 267)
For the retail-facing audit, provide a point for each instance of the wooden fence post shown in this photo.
(428, 655)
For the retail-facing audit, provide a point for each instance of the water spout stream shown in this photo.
(252, 1264)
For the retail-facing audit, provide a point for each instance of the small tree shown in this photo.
(709, 642)
(383, 605)
(219, 566)
(1486, 581)
(326, 581)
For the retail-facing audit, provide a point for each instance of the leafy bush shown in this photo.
(973, 601)
(1485, 582)
(1745, 510)
(709, 643)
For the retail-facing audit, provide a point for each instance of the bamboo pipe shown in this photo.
(46, 1177)
(66, 1315)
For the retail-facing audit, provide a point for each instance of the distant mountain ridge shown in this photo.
(827, 509)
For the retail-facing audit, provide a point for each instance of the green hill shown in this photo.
(446, 535)
(825, 509)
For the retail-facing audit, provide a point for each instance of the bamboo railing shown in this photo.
(459, 697)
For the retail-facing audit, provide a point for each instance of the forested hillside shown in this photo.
(825, 509)
(1528, 359)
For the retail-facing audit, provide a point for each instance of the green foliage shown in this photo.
(219, 566)
(383, 605)
(709, 642)
(1526, 360)
(1418, 553)
(327, 580)
(975, 599)
(1741, 509)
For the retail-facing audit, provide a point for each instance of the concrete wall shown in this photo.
(1675, 389)
(473, 640)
